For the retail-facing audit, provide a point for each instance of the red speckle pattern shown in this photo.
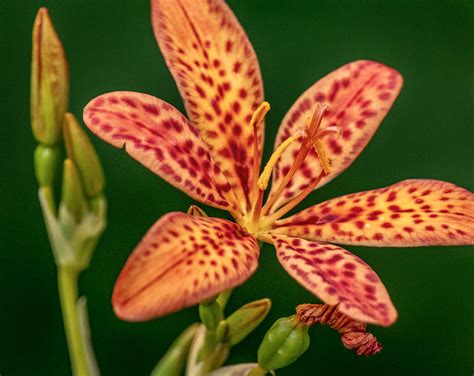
(394, 216)
(217, 73)
(181, 261)
(163, 140)
(358, 95)
(336, 276)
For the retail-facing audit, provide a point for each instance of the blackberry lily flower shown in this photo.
(214, 157)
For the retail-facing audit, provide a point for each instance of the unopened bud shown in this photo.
(285, 342)
(46, 161)
(72, 194)
(243, 321)
(244, 369)
(49, 81)
(210, 314)
(174, 361)
(80, 150)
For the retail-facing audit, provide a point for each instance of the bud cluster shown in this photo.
(75, 225)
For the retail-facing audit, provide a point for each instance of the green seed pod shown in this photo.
(210, 314)
(46, 161)
(174, 360)
(49, 81)
(243, 321)
(285, 342)
(80, 150)
(72, 194)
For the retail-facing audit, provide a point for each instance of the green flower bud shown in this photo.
(285, 342)
(46, 161)
(243, 321)
(174, 361)
(243, 369)
(72, 194)
(80, 150)
(210, 314)
(49, 81)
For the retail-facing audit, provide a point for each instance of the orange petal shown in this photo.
(158, 136)
(409, 213)
(181, 261)
(337, 276)
(358, 95)
(218, 76)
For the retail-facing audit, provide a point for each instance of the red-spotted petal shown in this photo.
(181, 261)
(409, 213)
(337, 276)
(358, 95)
(157, 135)
(218, 76)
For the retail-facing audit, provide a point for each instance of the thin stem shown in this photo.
(67, 282)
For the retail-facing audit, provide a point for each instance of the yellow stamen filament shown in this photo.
(267, 171)
(294, 202)
(323, 156)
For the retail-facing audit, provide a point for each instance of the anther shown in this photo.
(255, 121)
(323, 156)
(259, 114)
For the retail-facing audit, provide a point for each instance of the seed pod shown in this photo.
(243, 321)
(49, 81)
(80, 150)
(285, 342)
(46, 161)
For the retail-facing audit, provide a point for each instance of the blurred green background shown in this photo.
(428, 134)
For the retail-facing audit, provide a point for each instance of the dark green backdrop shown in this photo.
(111, 47)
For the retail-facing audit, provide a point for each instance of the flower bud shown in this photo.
(174, 361)
(210, 314)
(243, 369)
(80, 150)
(72, 195)
(46, 161)
(285, 342)
(243, 321)
(49, 81)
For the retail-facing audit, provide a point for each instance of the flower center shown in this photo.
(258, 220)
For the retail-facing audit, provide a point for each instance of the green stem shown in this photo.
(67, 281)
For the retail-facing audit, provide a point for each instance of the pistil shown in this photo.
(306, 145)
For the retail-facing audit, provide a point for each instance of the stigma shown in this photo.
(259, 219)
